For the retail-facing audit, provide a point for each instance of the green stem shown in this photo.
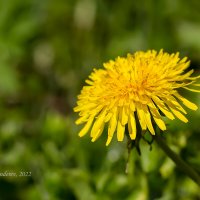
(179, 162)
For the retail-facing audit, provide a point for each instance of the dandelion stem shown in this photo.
(181, 164)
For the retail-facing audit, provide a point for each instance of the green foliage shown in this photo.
(47, 49)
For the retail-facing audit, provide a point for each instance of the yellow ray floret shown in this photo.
(135, 91)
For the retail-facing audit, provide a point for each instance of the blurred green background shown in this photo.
(47, 49)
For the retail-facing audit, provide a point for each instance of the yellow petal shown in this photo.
(179, 115)
(196, 84)
(89, 82)
(84, 107)
(163, 108)
(87, 126)
(97, 110)
(81, 119)
(132, 106)
(172, 102)
(141, 117)
(186, 102)
(107, 117)
(123, 116)
(183, 60)
(156, 116)
(112, 126)
(112, 104)
(108, 140)
(121, 102)
(185, 76)
(98, 123)
(192, 90)
(113, 123)
(147, 117)
(120, 131)
(98, 133)
(181, 66)
(77, 108)
(132, 126)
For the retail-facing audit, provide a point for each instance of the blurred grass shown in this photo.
(47, 49)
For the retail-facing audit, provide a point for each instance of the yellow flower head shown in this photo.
(137, 88)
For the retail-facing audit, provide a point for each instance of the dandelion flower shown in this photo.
(140, 88)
